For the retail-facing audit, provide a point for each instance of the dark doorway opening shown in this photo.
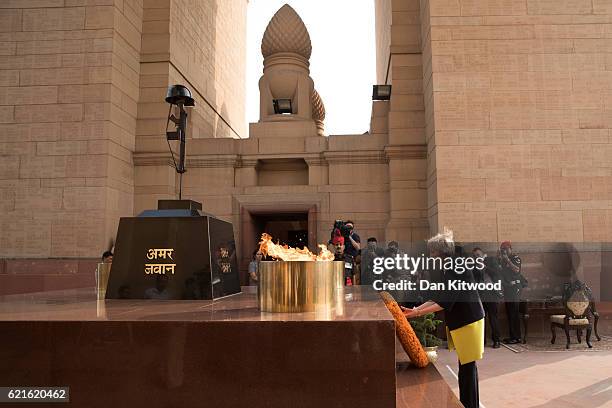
(285, 228)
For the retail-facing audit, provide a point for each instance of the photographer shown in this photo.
(352, 241)
(513, 283)
(339, 251)
(352, 246)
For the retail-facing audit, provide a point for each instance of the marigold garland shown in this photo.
(405, 333)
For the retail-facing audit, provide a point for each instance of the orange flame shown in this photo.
(286, 253)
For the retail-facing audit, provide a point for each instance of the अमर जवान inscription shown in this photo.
(159, 268)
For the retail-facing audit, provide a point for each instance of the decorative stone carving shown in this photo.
(286, 49)
(318, 111)
(286, 32)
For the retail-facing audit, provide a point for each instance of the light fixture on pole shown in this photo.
(180, 96)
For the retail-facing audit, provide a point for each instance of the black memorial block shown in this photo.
(175, 252)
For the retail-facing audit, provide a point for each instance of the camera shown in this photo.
(341, 228)
(340, 225)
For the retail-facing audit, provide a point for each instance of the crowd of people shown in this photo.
(504, 266)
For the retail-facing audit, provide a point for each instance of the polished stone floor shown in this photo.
(421, 387)
(534, 379)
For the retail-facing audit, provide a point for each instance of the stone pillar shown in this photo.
(408, 193)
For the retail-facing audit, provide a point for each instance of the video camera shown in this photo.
(341, 226)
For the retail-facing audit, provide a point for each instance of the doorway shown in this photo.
(294, 224)
(286, 228)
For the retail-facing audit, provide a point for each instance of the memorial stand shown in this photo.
(174, 252)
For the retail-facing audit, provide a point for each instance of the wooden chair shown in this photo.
(579, 314)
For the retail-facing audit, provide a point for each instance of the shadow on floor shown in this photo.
(595, 395)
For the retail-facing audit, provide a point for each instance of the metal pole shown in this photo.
(180, 186)
(182, 136)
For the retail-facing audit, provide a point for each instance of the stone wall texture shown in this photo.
(519, 118)
(499, 126)
(68, 93)
(402, 119)
(200, 44)
(80, 82)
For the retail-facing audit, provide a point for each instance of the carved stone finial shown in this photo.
(286, 32)
(318, 111)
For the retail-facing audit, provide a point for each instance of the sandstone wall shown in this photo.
(399, 63)
(519, 119)
(384, 16)
(68, 92)
(200, 44)
(347, 178)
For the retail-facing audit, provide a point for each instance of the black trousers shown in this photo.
(491, 312)
(514, 319)
(468, 385)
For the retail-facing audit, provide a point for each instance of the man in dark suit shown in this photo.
(513, 283)
(491, 273)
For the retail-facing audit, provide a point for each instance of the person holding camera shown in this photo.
(513, 282)
(352, 246)
(339, 251)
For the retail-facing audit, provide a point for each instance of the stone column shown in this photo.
(408, 193)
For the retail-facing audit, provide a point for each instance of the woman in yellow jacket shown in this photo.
(464, 316)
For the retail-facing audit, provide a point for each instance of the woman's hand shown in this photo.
(410, 313)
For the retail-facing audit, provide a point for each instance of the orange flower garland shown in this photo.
(405, 333)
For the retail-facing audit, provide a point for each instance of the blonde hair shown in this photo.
(442, 243)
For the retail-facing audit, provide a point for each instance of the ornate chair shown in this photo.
(579, 314)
